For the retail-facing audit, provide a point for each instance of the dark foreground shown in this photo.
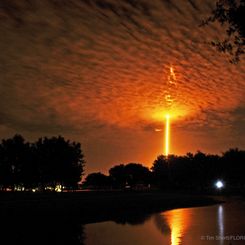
(90, 207)
(60, 218)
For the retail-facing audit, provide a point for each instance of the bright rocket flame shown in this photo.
(167, 134)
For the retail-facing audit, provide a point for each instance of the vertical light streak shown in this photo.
(170, 97)
(178, 221)
(167, 134)
(221, 224)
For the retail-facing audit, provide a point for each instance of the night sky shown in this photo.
(96, 71)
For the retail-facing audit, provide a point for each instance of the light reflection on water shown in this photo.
(187, 226)
(174, 222)
(221, 223)
(199, 226)
(178, 220)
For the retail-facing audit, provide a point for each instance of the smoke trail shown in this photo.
(170, 92)
(170, 95)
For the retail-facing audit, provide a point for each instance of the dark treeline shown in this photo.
(197, 171)
(57, 164)
(47, 164)
(120, 177)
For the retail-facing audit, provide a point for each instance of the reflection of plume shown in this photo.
(170, 92)
(174, 222)
(161, 224)
(178, 220)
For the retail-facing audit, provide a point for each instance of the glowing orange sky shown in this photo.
(96, 72)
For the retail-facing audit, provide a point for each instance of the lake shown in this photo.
(222, 224)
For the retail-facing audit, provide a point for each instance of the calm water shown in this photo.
(188, 226)
(220, 225)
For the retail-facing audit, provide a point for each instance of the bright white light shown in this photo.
(219, 184)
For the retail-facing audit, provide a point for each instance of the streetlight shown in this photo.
(219, 184)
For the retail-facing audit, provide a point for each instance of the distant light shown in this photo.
(219, 184)
(58, 188)
(158, 130)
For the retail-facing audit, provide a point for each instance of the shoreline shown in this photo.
(96, 206)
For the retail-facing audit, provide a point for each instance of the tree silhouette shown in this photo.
(97, 181)
(199, 171)
(230, 13)
(13, 157)
(131, 174)
(60, 162)
(136, 173)
(30, 176)
(233, 163)
(161, 172)
(180, 175)
(47, 162)
(117, 173)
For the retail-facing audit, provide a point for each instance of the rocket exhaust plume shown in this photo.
(169, 99)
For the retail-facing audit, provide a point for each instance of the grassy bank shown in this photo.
(88, 207)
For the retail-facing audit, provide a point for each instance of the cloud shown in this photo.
(93, 66)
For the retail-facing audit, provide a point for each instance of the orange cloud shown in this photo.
(95, 69)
